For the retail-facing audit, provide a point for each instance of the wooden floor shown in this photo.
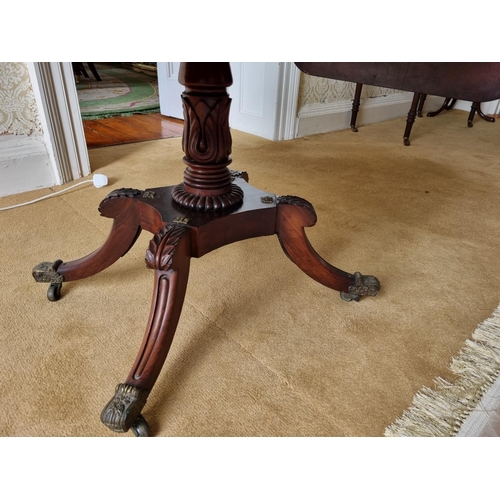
(127, 129)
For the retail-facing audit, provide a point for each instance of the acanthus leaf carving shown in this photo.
(161, 248)
(206, 137)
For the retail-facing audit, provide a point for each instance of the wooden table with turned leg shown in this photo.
(212, 207)
(474, 82)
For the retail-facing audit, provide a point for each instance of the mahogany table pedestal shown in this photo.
(213, 207)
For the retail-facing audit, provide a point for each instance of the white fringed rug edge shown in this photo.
(442, 411)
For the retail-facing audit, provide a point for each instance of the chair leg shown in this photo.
(411, 118)
(355, 106)
(94, 71)
(421, 103)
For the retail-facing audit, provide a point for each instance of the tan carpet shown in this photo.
(261, 349)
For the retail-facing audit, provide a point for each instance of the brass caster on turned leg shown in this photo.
(54, 292)
(470, 124)
(140, 427)
(406, 141)
(353, 128)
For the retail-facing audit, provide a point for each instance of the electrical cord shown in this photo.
(99, 180)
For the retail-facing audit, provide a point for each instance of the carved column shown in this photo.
(206, 139)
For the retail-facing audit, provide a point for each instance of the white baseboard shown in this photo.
(321, 118)
(488, 108)
(24, 164)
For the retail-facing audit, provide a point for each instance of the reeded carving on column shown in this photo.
(364, 285)
(124, 408)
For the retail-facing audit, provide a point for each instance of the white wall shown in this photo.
(58, 154)
(325, 105)
(25, 162)
(488, 108)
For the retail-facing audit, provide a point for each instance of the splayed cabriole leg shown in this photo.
(293, 215)
(169, 255)
(124, 233)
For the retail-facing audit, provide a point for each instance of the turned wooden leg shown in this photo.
(421, 103)
(473, 109)
(94, 71)
(169, 255)
(411, 118)
(124, 233)
(293, 214)
(355, 106)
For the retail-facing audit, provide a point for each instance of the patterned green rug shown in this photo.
(122, 92)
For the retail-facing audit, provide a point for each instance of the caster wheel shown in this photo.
(406, 141)
(140, 427)
(349, 296)
(353, 128)
(54, 292)
(470, 124)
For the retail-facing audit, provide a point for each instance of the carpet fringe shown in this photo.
(440, 412)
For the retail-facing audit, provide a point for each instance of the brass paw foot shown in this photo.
(363, 285)
(46, 272)
(124, 410)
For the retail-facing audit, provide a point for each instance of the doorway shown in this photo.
(109, 94)
(57, 100)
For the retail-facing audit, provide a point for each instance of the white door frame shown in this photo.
(55, 90)
(288, 97)
(278, 124)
